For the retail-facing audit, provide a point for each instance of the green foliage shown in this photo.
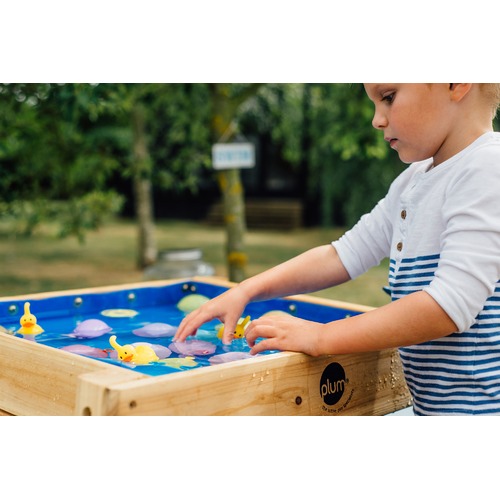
(325, 131)
(62, 142)
(72, 217)
(349, 162)
(58, 141)
(179, 130)
(21, 217)
(87, 213)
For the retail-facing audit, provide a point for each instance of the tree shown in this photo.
(63, 147)
(58, 148)
(141, 177)
(171, 147)
(324, 133)
(226, 100)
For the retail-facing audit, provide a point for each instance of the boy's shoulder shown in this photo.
(478, 167)
(487, 144)
(484, 153)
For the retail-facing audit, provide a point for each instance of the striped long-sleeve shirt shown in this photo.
(440, 227)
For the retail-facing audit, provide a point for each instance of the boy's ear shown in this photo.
(459, 90)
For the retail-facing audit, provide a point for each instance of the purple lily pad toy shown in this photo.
(155, 330)
(229, 356)
(193, 347)
(85, 350)
(90, 328)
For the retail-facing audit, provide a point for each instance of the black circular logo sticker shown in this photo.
(332, 384)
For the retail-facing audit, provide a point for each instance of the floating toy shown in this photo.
(139, 354)
(86, 350)
(119, 313)
(193, 347)
(90, 328)
(229, 356)
(160, 350)
(155, 330)
(192, 302)
(239, 333)
(179, 363)
(28, 322)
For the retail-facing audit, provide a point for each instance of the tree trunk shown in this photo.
(141, 178)
(234, 218)
(230, 185)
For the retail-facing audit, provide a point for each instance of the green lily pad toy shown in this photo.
(192, 302)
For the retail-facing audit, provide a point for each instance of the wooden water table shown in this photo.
(41, 379)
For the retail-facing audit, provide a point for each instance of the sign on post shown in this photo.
(235, 155)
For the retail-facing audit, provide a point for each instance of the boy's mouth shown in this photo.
(392, 141)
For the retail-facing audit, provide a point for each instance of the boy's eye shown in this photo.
(389, 98)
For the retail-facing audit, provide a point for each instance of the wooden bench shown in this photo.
(270, 213)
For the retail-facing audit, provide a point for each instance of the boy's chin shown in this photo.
(408, 159)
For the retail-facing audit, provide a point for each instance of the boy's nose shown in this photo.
(379, 120)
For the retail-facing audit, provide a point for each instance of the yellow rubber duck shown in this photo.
(139, 354)
(28, 322)
(239, 333)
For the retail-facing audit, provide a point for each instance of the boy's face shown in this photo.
(415, 118)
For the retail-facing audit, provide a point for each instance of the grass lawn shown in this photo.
(46, 263)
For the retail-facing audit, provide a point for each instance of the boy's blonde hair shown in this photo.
(491, 92)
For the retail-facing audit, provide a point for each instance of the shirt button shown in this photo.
(399, 246)
(403, 214)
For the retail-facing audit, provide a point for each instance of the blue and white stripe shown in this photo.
(412, 275)
(457, 374)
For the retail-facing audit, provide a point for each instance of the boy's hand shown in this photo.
(284, 333)
(227, 308)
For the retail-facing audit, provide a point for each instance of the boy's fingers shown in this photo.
(188, 326)
(229, 329)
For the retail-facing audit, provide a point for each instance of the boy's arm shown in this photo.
(312, 270)
(410, 320)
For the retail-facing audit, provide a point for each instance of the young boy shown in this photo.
(440, 225)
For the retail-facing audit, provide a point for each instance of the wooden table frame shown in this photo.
(39, 380)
